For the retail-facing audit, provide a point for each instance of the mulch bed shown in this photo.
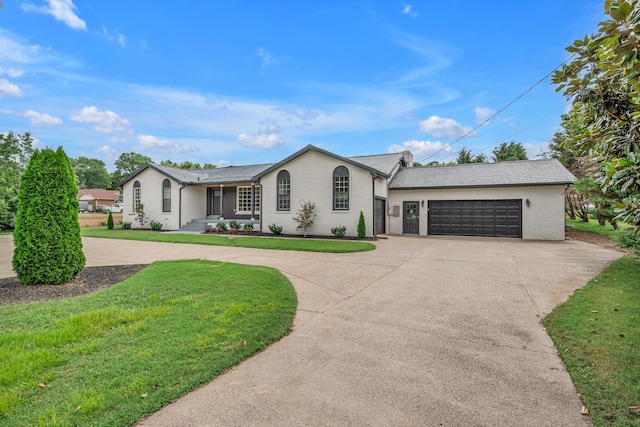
(88, 280)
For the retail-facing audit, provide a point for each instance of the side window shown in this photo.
(136, 195)
(341, 188)
(166, 196)
(284, 191)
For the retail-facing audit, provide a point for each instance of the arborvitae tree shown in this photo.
(48, 247)
(110, 221)
(362, 228)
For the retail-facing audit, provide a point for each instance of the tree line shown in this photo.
(16, 151)
(505, 152)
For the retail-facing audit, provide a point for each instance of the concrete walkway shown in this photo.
(421, 331)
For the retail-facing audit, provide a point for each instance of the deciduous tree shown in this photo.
(15, 151)
(126, 164)
(91, 173)
(603, 81)
(509, 151)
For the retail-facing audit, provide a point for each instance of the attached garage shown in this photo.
(487, 218)
(523, 199)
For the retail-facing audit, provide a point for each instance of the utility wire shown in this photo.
(526, 127)
(500, 110)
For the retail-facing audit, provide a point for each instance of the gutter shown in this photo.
(180, 206)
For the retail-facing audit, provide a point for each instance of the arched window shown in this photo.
(284, 191)
(136, 195)
(166, 196)
(341, 188)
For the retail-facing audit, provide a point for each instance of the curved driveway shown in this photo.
(421, 331)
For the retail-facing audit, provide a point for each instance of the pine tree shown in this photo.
(48, 246)
(362, 228)
(110, 221)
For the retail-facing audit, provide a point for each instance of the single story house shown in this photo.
(97, 198)
(523, 199)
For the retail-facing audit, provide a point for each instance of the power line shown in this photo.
(500, 111)
(527, 127)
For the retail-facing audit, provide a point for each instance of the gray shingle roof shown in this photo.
(225, 175)
(382, 162)
(527, 172)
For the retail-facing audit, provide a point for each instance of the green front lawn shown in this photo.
(241, 241)
(597, 333)
(594, 227)
(120, 354)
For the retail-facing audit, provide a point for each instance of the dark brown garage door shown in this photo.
(489, 218)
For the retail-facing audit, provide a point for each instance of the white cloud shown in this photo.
(106, 150)
(42, 119)
(483, 114)
(260, 141)
(11, 72)
(420, 148)
(266, 57)
(441, 127)
(62, 10)
(114, 36)
(408, 9)
(9, 89)
(104, 121)
(150, 142)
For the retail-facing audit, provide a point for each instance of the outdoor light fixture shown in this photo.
(422, 203)
(528, 202)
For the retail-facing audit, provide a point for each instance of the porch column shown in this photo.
(221, 199)
(253, 203)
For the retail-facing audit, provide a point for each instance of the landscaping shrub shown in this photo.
(234, 224)
(126, 225)
(110, 221)
(275, 229)
(48, 247)
(629, 240)
(338, 231)
(221, 226)
(156, 225)
(248, 227)
(305, 216)
(362, 228)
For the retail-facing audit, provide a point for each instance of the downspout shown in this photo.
(261, 198)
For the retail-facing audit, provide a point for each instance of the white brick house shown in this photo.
(507, 199)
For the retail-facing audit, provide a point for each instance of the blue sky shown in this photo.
(247, 82)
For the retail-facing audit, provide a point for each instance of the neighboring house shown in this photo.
(97, 198)
(509, 199)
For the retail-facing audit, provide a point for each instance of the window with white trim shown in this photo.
(136, 195)
(341, 188)
(243, 200)
(284, 191)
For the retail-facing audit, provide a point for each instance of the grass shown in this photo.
(596, 333)
(117, 355)
(240, 241)
(594, 227)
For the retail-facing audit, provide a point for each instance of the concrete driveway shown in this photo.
(421, 331)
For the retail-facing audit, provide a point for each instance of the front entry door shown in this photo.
(213, 201)
(410, 218)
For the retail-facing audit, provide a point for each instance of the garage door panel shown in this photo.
(489, 218)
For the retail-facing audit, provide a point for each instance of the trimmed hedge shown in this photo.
(48, 246)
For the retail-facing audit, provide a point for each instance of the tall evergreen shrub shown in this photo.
(48, 247)
(362, 228)
(110, 221)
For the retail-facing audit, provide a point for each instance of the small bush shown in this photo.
(275, 229)
(126, 225)
(221, 226)
(234, 224)
(362, 228)
(339, 231)
(110, 221)
(305, 216)
(629, 240)
(156, 225)
(104, 222)
(248, 228)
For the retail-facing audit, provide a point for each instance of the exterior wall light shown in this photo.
(528, 202)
